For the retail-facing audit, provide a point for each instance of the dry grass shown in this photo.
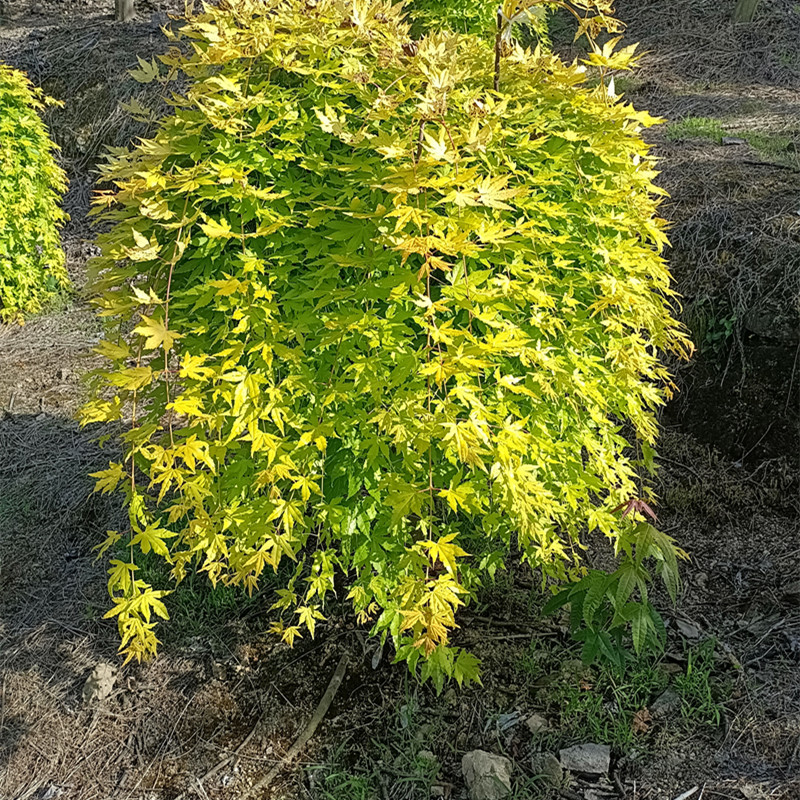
(697, 41)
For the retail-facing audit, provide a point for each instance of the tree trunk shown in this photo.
(123, 10)
(745, 10)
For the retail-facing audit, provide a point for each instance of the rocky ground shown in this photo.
(718, 716)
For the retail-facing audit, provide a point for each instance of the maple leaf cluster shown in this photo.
(370, 317)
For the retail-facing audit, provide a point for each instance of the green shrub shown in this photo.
(462, 16)
(479, 17)
(31, 185)
(358, 301)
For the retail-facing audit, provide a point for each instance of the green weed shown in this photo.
(700, 690)
(604, 704)
(595, 703)
(712, 328)
(344, 785)
(696, 128)
(200, 609)
(769, 144)
(398, 766)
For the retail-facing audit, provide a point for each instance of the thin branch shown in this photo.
(308, 731)
(498, 43)
(225, 761)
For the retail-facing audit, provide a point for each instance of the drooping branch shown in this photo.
(498, 45)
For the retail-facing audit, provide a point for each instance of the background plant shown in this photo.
(31, 185)
(700, 688)
(462, 16)
(480, 17)
(358, 300)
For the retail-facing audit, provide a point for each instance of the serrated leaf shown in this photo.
(156, 334)
(148, 70)
(595, 595)
(625, 584)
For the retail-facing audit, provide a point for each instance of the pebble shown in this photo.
(488, 776)
(536, 723)
(100, 683)
(547, 766)
(665, 705)
(592, 759)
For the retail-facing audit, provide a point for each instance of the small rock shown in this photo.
(773, 321)
(37, 8)
(733, 140)
(488, 776)
(437, 790)
(100, 683)
(593, 759)
(791, 593)
(665, 705)
(547, 766)
(753, 791)
(593, 794)
(64, 373)
(537, 723)
(688, 629)
(575, 670)
(701, 580)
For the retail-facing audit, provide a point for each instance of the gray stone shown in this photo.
(791, 593)
(218, 671)
(547, 766)
(537, 723)
(688, 629)
(772, 321)
(665, 705)
(593, 759)
(488, 776)
(100, 683)
(450, 697)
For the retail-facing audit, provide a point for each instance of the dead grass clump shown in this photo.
(735, 238)
(697, 40)
(696, 479)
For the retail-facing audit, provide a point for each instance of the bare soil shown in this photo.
(729, 486)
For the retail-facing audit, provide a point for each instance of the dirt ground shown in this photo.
(224, 701)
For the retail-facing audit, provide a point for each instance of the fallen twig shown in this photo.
(221, 764)
(772, 164)
(307, 732)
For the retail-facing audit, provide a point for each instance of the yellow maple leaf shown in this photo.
(156, 333)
